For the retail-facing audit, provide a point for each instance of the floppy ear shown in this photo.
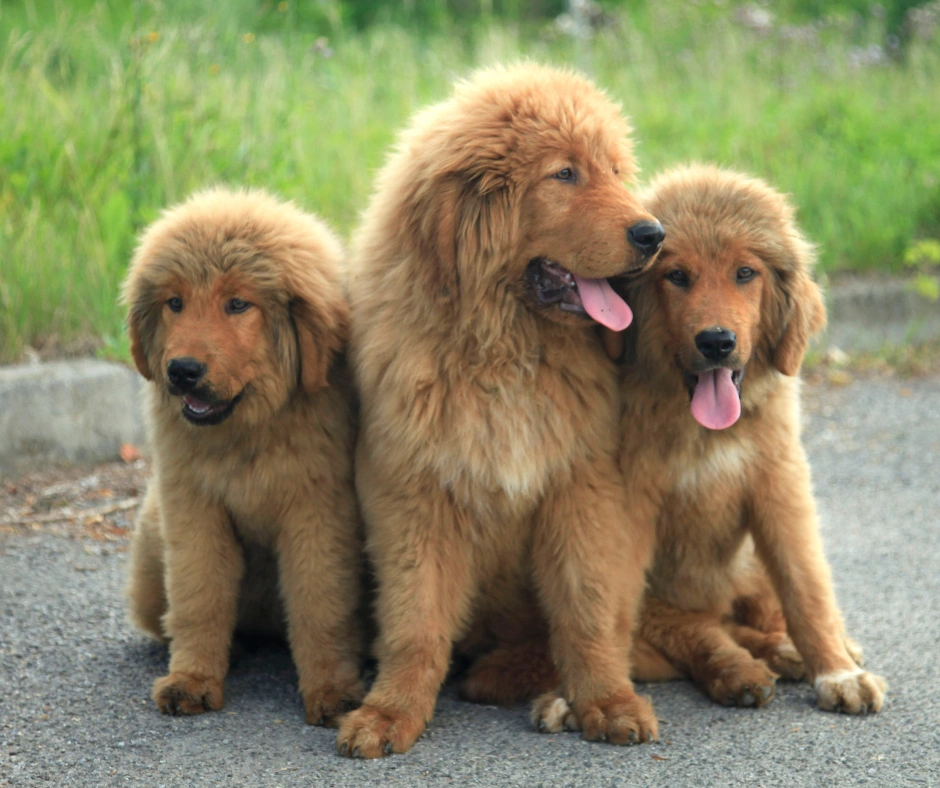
(431, 231)
(806, 315)
(322, 331)
(136, 293)
(137, 347)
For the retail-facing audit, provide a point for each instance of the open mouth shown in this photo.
(716, 396)
(199, 411)
(594, 298)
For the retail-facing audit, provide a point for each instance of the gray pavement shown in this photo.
(74, 677)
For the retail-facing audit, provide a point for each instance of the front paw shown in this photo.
(552, 714)
(187, 693)
(325, 705)
(740, 682)
(621, 718)
(374, 731)
(850, 691)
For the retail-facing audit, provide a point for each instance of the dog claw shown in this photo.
(543, 726)
(355, 753)
(634, 739)
(342, 750)
(766, 692)
(388, 748)
(748, 699)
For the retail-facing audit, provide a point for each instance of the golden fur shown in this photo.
(737, 531)
(486, 465)
(251, 522)
(739, 592)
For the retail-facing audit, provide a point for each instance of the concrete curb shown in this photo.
(67, 412)
(872, 314)
(70, 412)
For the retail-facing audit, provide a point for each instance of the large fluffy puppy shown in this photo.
(486, 465)
(712, 450)
(238, 319)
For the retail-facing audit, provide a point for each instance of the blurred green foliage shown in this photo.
(110, 111)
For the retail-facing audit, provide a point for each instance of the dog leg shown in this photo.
(589, 571)
(787, 538)
(423, 601)
(204, 565)
(699, 645)
(319, 567)
(146, 592)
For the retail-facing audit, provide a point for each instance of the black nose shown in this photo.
(185, 373)
(646, 237)
(715, 343)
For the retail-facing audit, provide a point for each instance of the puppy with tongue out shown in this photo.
(739, 591)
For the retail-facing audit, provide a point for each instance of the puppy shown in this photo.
(712, 453)
(487, 461)
(238, 320)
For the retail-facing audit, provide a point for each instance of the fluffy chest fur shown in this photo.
(494, 423)
(259, 474)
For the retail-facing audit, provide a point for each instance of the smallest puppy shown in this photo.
(238, 318)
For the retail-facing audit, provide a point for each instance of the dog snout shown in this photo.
(646, 237)
(716, 344)
(185, 373)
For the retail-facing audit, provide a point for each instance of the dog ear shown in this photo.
(138, 353)
(805, 315)
(138, 295)
(322, 328)
(431, 230)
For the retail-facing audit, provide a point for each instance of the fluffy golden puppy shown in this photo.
(712, 453)
(238, 318)
(487, 461)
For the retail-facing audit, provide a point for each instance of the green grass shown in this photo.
(108, 115)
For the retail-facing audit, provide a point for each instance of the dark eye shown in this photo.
(175, 303)
(746, 274)
(566, 174)
(236, 306)
(678, 277)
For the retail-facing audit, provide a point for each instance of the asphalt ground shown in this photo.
(75, 678)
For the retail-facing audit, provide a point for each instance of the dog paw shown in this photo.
(374, 731)
(749, 685)
(622, 718)
(551, 714)
(325, 705)
(850, 691)
(186, 693)
(784, 660)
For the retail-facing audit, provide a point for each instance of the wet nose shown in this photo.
(185, 373)
(646, 237)
(716, 343)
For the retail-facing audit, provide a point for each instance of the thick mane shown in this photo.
(450, 192)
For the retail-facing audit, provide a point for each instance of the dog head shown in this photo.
(515, 187)
(730, 293)
(235, 303)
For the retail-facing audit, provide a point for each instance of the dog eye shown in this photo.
(678, 277)
(175, 303)
(566, 174)
(746, 274)
(236, 306)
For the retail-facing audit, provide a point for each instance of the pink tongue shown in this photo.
(603, 304)
(196, 405)
(716, 403)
